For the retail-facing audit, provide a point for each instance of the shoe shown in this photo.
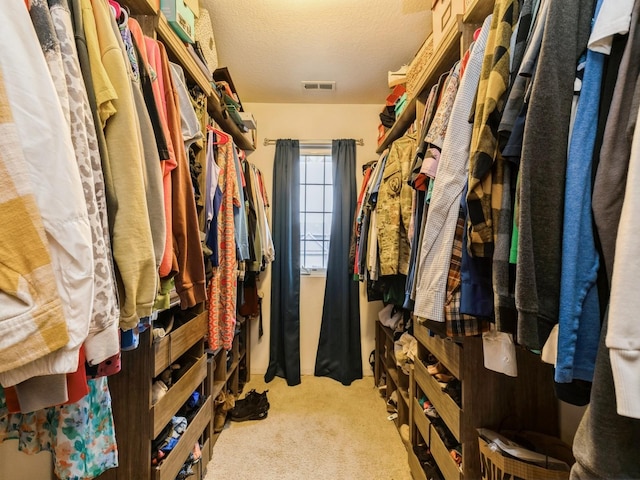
(404, 433)
(397, 77)
(249, 411)
(437, 368)
(254, 398)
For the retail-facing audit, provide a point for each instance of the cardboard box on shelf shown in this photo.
(180, 17)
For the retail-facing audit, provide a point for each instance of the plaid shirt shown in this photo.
(459, 324)
(486, 165)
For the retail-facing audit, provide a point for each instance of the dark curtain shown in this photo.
(284, 342)
(339, 352)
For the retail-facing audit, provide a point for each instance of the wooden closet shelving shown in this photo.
(488, 399)
(445, 55)
(154, 21)
(396, 380)
(138, 421)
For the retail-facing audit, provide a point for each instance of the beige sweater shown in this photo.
(123, 168)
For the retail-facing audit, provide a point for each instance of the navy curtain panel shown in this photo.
(284, 342)
(339, 352)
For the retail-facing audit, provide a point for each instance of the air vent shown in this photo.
(325, 86)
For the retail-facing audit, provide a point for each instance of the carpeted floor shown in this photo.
(318, 430)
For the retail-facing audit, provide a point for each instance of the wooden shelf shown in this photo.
(417, 472)
(400, 126)
(168, 405)
(168, 349)
(477, 11)
(233, 368)
(228, 125)
(217, 388)
(447, 53)
(179, 52)
(447, 352)
(440, 453)
(175, 460)
(142, 7)
(443, 403)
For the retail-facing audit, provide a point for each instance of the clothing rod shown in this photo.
(272, 141)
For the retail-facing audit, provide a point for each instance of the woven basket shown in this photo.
(418, 67)
(204, 36)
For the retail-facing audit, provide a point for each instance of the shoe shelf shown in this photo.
(216, 375)
(171, 465)
(441, 455)
(489, 399)
(417, 472)
(443, 403)
(448, 352)
(178, 394)
(396, 380)
(172, 346)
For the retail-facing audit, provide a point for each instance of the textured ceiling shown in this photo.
(271, 46)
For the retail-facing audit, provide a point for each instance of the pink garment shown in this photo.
(168, 266)
(222, 287)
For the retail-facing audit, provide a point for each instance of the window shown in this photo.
(316, 207)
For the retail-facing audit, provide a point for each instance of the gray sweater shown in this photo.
(544, 158)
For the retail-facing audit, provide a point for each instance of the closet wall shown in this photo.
(15, 465)
(311, 121)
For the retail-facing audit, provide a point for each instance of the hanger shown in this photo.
(116, 6)
(224, 137)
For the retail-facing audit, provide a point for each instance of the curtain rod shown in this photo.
(272, 141)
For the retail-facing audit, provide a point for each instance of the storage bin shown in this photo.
(444, 16)
(418, 67)
(181, 18)
(494, 465)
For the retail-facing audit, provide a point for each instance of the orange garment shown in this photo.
(150, 54)
(190, 279)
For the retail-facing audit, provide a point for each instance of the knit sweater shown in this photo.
(542, 170)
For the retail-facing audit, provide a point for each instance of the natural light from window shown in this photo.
(316, 207)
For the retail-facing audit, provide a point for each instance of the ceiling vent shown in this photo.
(318, 86)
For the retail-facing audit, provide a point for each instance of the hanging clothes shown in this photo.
(102, 341)
(542, 172)
(444, 206)
(35, 106)
(26, 253)
(486, 172)
(223, 284)
(190, 279)
(122, 167)
(80, 436)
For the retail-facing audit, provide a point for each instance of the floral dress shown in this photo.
(80, 436)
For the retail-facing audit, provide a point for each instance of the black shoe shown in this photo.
(255, 399)
(248, 411)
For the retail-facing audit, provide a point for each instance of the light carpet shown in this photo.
(317, 430)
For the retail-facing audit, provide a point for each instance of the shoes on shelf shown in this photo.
(398, 77)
